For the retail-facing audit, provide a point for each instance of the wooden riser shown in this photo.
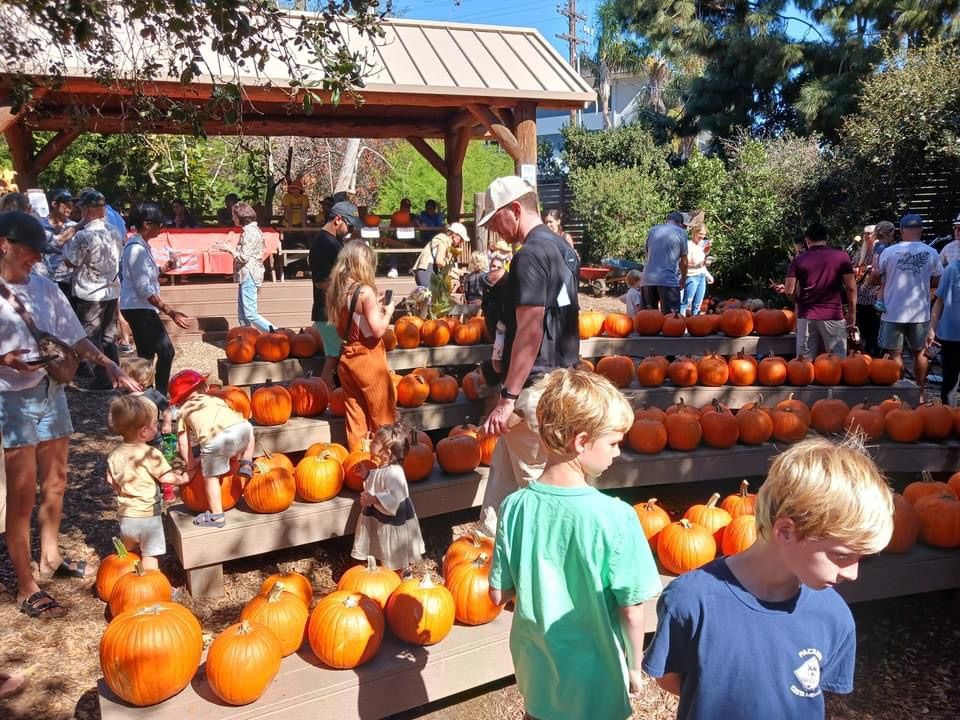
(403, 676)
(639, 347)
(202, 551)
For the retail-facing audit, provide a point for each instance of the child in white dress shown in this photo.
(388, 527)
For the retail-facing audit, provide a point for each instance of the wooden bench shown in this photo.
(202, 551)
(401, 676)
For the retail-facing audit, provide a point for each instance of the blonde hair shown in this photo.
(575, 402)
(695, 227)
(356, 263)
(129, 413)
(478, 261)
(633, 277)
(140, 369)
(395, 439)
(830, 490)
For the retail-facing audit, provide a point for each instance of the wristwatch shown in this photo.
(504, 393)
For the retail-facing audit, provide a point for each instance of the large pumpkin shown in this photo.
(292, 582)
(647, 436)
(459, 454)
(906, 526)
(467, 548)
(648, 322)
(138, 588)
(240, 349)
(412, 391)
(710, 516)
(789, 426)
(937, 421)
(741, 369)
(712, 370)
(674, 325)
(435, 333)
(720, 428)
(407, 333)
(828, 415)
(469, 584)
(420, 612)
(755, 425)
(151, 653)
(740, 503)
(801, 371)
(271, 404)
(591, 324)
(903, 424)
(772, 370)
(194, 493)
(345, 629)
(308, 396)
(683, 372)
(865, 422)
(683, 431)
(273, 346)
(884, 371)
(418, 464)
(771, 322)
(855, 369)
(618, 369)
(939, 517)
(112, 567)
(739, 535)
(736, 322)
(283, 612)
(683, 546)
(270, 490)
(303, 345)
(376, 582)
(234, 397)
(653, 519)
(318, 477)
(617, 325)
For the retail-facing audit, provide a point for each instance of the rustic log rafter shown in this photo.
(429, 154)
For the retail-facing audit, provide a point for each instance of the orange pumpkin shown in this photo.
(884, 371)
(954, 483)
(713, 371)
(407, 333)
(683, 546)
(488, 443)
(194, 493)
(466, 429)
(138, 588)
(617, 325)
(469, 584)
(800, 371)
(740, 503)
(466, 548)
(701, 325)
(771, 322)
(248, 332)
(236, 398)
(772, 370)
(240, 349)
(468, 334)
(903, 424)
(755, 424)
(435, 333)
(683, 372)
(647, 436)
(829, 415)
(458, 454)
(939, 517)
(377, 583)
(906, 526)
(318, 477)
(653, 519)
(683, 431)
(648, 322)
(112, 567)
(337, 405)
(865, 422)
(674, 325)
(420, 612)
(345, 630)
(720, 428)
(651, 372)
(418, 464)
(357, 466)
(292, 582)
(855, 369)
(710, 516)
(309, 396)
(472, 382)
(303, 345)
(444, 389)
(827, 369)
(742, 369)
(389, 339)
(270, 490)
(736, 322)
(371, 220)
(271, 404)
(937, 421)
(336, 449)
(618, 369)
(401, 218)
(412, 391)
(283, 612)
(273, 346)
(918, 489)
(591, 324)
(739, 535)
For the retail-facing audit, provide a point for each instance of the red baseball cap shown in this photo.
(184, 383)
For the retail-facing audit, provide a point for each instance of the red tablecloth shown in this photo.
(192, 247)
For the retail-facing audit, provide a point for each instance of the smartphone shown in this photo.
(387, 297)
(42, 360)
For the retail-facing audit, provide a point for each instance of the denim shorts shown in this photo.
(215, 455)
(35, 415)
(892, 335)
(146, 532)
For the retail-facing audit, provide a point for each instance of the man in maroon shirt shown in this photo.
(817, 281)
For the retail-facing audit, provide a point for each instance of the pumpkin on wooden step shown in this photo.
(435, 333)
(712, 370)
(337, 404)
(318, 477)
(303, 345)
(407, 333)
(412, 391)
(618, 369)
(800, 371)
(309, 396)
(375, 581)
(755, 425)
(357, 466)
(444, 389)
(789, 426)
(796, 405)
(772, 370)
(488, 443)
(884, 371)
(469, 584)
(828, 415)
(701, 325)
(937, 421)
(591, 324)
(336, 449)
(736, 322)
(283, 612)
(459, 454)
(645, 412)
(273, 346)
(855, 369)
(421, 612)
(648, 322)
(151, 653)
(647, 436)
(939, 517)
(769, 323)
(271, 404)
(739, 535)
(472, 382)
(138, 588)
(653, 519)
(903, 424)
(906, 526)
(418, 464)
(862, 420)
(389, 339)
(683, 431)
(617, 325)
(674, 325)
(345, 630)
(683, 546)
(194, 493)
(719, 426)
(827, 369)
(926, 486)
(683, 372)
(742, 369)
(234, 397)
(651, 371)
(240, 349)
(270, 490)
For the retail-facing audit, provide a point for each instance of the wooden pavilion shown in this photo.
(427, 80)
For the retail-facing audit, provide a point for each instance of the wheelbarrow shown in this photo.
(611, 274)
(594, 280)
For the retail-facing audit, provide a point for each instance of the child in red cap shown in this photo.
(221, 432)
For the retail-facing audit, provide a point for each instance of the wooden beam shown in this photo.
(20, 142)
(7, 116)
(526, 123)
(429, 154)
(54, 147)
(455, 150)
(501, 133)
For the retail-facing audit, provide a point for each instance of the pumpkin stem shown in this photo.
(427, 581)
(244, 628)
(926, 476)
(651, 503)
(138, 568)
(477, 537)
(744, 488)
(276, 591)
(712, 502)
(371, 563)
(119, 548)
(685, 524)
(350, 601)
(481, 560)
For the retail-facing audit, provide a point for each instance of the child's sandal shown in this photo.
(209, 519)
(246, 469)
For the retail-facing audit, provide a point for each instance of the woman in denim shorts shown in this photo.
(34, 418)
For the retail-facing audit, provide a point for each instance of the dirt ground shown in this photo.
(907, 660)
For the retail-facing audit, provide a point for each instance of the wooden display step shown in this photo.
(202, 551)
(299, 433)
(637, 346)
(402, 676)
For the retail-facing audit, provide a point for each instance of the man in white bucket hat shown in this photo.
(541, 334)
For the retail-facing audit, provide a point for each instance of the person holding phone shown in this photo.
(34, 417)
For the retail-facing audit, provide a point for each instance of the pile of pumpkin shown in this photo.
(683, 427)
(326, 468)
(152, 647)
(743, 369)
(411, 331)
(732, 322)
(928, 510)
(704, 530)
(246, 344)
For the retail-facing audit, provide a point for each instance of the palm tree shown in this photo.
(614, 54)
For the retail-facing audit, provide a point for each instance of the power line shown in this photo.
(570, 12)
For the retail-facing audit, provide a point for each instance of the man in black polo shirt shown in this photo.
(324, 249)
(541, 315)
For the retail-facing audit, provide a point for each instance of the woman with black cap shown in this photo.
(34, 418)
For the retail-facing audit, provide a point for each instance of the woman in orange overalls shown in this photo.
(368, 392)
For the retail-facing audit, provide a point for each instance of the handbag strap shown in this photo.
(353, 307)
(11, 297)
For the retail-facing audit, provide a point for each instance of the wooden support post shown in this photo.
(20, 142)
(526, 119)
(54, 147)
(501, 133)
(455, 149)
(429, 154)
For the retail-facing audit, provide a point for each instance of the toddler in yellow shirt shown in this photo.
(221, 433)
(136, 470)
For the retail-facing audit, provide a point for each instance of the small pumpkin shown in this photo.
(240, 350)
(283, 612)
(472, 382)
(937, 421)
(488, 444)
(653, 519)
(418, 464)
(855, 369)
(138, 588)
(884, 371)
(444, 389)
(412, 391)
(789, 426)
(337, 404)
(194, 493)
(618, 369)
(739, 535)
(407, 333)
(435, 333)
(939, 517)
(772, 370)
(458, 454)
(683, 372)
(648, 322)
(903, 424)
(271, 404)
(712, 370)
(829, 415)
(801, 371)
(369, 579)
(357, 466)
(906, 526)
(234, 397)
(865, 422)
(647, 436)
(674, 325)
(303, 345)
(683, 431)
(742, 502)
(293, 582)
(926, 486)
(719, 426)
(318, 477)
(710, 516)
(742, 369)
(273, 346)
(345, 629)
(112, 567)
(617, 325)
(683, 546)
(827, 369)
(591, 324)
(736, 322)
(469, 584)
(755, 425)
(420, 612)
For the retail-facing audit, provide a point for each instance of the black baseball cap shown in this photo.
(59, 195)
(348, 211)
(24, 229)
(91, 198)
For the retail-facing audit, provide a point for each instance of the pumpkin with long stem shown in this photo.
(469, 583)
(293, 582)
(140, 587)
(283, 612)
(742, 502)
(926, 486)
(653, 519)
(376, 582)
(710, 516)
(242, 661)
(467, 549)
(345, 629)
(151, 653)
(420, 612)
(112, 567)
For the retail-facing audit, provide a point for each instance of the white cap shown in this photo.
(502, 192)
(460, 230)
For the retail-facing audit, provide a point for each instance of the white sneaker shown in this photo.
(392, 273)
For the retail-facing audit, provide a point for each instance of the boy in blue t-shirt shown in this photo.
(762, 634)
(575, 561)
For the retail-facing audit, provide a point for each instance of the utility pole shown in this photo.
(570, 12)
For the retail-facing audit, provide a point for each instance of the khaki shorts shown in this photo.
(215, 455)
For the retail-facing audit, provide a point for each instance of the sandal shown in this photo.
(68, 569)
(245, 470)
(209, 519)
(41, 605)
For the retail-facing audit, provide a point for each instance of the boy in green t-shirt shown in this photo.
(575, 561)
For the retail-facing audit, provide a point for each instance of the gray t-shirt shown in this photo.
(666, 244)
(906, 269)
